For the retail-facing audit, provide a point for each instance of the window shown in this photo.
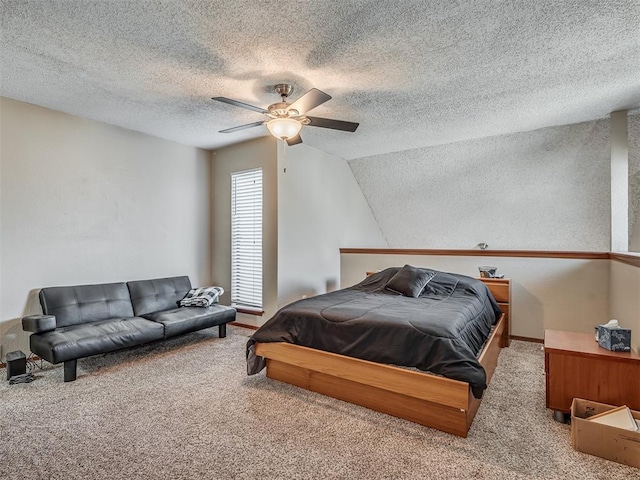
(246, 239)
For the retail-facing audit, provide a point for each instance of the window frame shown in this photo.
(247, 257)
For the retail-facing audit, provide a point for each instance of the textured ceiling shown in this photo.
(413, 73)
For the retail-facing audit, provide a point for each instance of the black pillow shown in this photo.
(410, 281)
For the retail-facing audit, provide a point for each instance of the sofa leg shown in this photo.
(222, 330)
(70, 370)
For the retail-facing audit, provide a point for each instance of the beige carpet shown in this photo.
(186, 409)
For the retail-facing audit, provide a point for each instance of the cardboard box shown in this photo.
(617, 444)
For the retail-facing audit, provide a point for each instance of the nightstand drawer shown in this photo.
(500, 291)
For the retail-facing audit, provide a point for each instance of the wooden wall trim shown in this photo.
(482, 253)
(244, 325)
(527, 339)
(626, 258)
(248, 311)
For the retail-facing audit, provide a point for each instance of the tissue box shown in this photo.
(614, 339)
(622, 446)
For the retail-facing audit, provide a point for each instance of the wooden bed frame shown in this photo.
(429, 400)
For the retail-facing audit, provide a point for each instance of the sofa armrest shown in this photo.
(39, 323)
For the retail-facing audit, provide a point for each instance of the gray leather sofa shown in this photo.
(84, 320)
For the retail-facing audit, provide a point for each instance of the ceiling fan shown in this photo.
(286, 119)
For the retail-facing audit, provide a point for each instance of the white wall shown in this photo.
(547, 189)
(320, 209)
(260, 152)
(85, 202)
(310, 211)
(553, 293)
(625, 298)
(634, 182)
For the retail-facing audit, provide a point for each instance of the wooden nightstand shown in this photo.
(576, 367)
(501, 291)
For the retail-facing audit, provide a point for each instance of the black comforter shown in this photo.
(442, 331)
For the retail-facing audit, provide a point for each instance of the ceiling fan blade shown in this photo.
(334, 124)
(241, 127)
(239, 104)
(309, 101)
(294, 141)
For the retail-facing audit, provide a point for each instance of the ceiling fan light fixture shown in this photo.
(286, 119)
(284, 128)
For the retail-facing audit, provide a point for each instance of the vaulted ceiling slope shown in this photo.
(412, 73)
(546, 189)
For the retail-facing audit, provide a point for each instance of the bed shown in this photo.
(424, 353)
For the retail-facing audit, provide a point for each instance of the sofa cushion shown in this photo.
(77, 341)
(148, 296)
(190, 319)
(86, 303)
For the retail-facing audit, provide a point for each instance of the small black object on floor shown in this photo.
(562, 417)
(16, 364)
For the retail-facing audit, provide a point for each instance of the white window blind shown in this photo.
(246, 238)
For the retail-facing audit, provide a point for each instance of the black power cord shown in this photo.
(32, 363)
